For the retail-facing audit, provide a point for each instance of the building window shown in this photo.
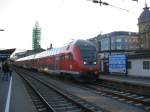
(129, 64)
(118, 40)
(146, 65)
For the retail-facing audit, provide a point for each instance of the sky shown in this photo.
(62, 21)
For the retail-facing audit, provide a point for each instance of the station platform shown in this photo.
(13, 95)
(139, 84)
(127, 79)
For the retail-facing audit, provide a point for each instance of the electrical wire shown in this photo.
(107, 4)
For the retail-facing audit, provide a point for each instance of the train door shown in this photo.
(56, 63)
(68, 60)
(71, 64)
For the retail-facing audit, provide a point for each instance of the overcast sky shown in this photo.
(63, 20)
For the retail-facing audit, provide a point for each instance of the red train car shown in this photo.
(77, 59)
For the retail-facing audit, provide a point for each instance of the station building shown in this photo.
(118, 40)
(138, 63)
(135, 45)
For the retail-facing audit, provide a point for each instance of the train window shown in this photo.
(56, 51)
(71, 56)
(62, 57)
(66, 56)
(52, 51)
(49, 53)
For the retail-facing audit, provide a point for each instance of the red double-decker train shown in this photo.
(78, 59)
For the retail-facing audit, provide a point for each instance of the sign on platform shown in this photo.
(118, 64)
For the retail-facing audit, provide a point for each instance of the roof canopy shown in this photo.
(4, 54)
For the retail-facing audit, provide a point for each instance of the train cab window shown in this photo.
(87, 50)
(71, 56)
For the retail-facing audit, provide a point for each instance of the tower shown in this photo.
(36, 37)
(144, 27)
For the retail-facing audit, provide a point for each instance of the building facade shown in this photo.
(118, 40)
(139, 64)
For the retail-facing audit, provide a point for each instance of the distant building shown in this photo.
(118, 40)
(144, 28)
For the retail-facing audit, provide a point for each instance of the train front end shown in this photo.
(87, 60)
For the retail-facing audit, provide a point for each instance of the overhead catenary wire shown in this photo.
(107, 4)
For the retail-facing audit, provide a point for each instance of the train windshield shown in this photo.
(88, 51)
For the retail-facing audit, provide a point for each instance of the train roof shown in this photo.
(50, 52)
(46, 53)
(55, 51)
(84, 43)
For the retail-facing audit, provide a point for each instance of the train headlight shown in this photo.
(94, 62)
(84, 62)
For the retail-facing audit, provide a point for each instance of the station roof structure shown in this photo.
(6, 53)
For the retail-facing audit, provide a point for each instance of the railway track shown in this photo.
(102, 89)
(48, 98)
(138, 100)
